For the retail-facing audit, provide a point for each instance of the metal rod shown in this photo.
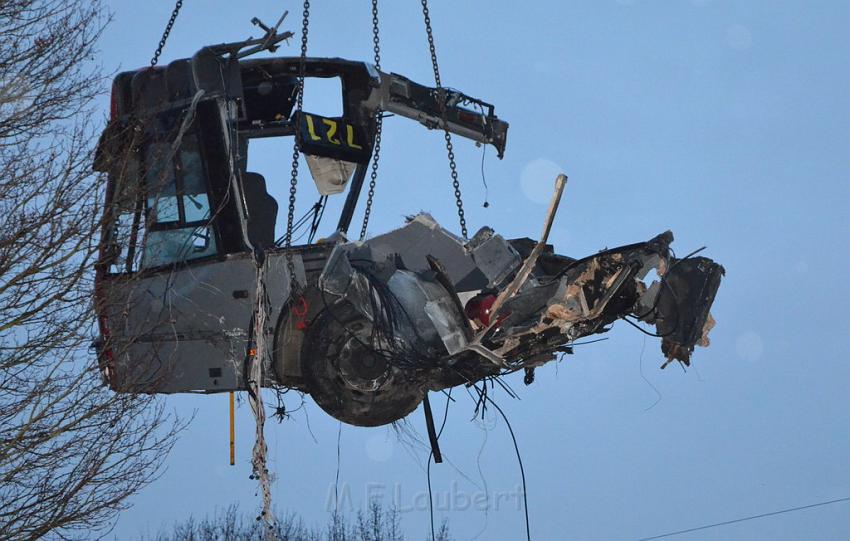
(353, 196)
(529, 263)
(232, 431)
(433, 437)
(524, 271)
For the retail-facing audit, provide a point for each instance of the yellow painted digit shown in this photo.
(351, 142)
(311, 129)
(331, 124)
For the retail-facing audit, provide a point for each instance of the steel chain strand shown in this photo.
(167, 31)
(296, 150)
(427, 14)
(441, 100)
(374, 175)
(379, 121)
(376, 34)
(455, 182)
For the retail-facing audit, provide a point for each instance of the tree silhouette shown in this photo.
(71, 451)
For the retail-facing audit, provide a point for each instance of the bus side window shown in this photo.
(195, 198)
(177, 205)
(162, 205)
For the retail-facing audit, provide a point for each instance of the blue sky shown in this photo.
(726, 122)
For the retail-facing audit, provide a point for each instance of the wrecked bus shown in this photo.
(366, 327)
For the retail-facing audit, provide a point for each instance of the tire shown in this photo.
(347, 379)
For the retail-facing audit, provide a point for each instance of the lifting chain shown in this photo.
(293, 181)
(165, 34)
(441, 100)
(379, 121)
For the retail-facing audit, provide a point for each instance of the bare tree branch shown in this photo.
(71, 451)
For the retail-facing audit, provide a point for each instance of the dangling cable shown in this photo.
(259, 455)
(336, 479)
(318, 213)
(260, 350)
(481, 405)
(484, 155)
(521, 469)
(430, 456)
(484, 178)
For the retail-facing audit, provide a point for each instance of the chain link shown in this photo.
(379, 121)
(455, 182)
(427, 14)
(167, 31)
(296, 150)
(374, 176)
(441, 100)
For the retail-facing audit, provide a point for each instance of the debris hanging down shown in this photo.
(256, 361)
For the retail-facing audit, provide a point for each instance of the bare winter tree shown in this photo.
(374, 524)
(71, 451)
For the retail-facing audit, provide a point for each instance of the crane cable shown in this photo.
(296, 149)
(379, 120)
(165, 33)
(441, 100)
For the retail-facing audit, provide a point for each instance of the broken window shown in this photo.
(160, 202)
(177, 205)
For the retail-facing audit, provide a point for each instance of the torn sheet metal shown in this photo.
(424, 336)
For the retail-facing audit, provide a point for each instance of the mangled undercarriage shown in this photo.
(416, 310)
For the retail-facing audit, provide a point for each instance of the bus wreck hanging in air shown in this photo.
(377, 323)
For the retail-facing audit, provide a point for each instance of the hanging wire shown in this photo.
(430, 458)
(336, 481)
(311, 214)
(484, 178)
(318, 213)
(521, 469)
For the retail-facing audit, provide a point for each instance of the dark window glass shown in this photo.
(177, 204)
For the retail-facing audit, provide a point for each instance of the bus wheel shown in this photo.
(349, 379)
